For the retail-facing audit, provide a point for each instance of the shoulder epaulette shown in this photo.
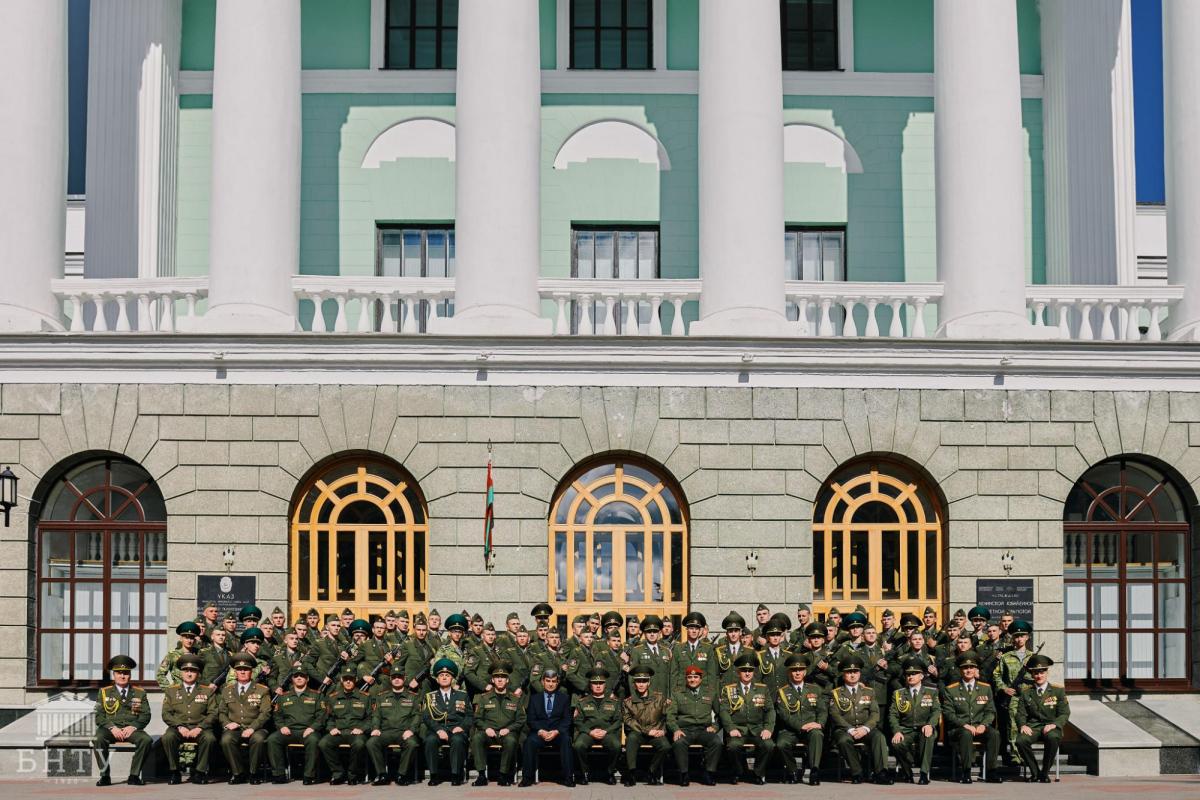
(761, 685)
(952, 685)
(983, 683)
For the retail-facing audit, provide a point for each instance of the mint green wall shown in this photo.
(897, 36)
(683, 34)
(548, 20)
(199, 22)
(194, 181)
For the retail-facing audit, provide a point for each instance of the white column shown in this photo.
(1088, 110)
(1181, 101)
(133, 113)
(741, 170)
(33, 161)
(498, 171)
(254, 246)
(980, 162)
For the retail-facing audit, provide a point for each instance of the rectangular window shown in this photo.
(611, 34)
(815, 254)
(415, 251)
(421, 34)
(628, 252)
(810, 34)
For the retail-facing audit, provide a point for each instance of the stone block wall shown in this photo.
(750, 462)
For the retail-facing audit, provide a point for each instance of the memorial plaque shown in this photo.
(1000, 595)
(229, 592)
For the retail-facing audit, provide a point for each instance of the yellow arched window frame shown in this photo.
(618, 540)
(359, 540)
(878, 539)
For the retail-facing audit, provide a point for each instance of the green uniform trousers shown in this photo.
(377, 749)
(508, 751)
(736, 747)
(331, 751)
(916, 748)
(710, 741)
(1050, 742)
(610, 745)
(458, 752)
(277, 745)
(231, 747)
(814, 747)
(103, 739)
(171, 740)
(658, 751)
(875, 744)
(962, 742)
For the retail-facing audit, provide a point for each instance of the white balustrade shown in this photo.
(342, 304)
(608, 307)
(860, 309)
(163, 305)
(1103, 313)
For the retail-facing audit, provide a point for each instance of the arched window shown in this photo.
(618, 540)
(360, 539)
(1126, 545)
(102, 573)
(877, 540)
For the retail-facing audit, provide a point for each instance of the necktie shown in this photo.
(852, 690)
(745, 690)
(654, 650)
(1041, 690)
(914, 693)
(241, 691)
(123, 695)
(445, 698)
(189, 690)
(549, 704)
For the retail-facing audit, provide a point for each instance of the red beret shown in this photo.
(693, 670)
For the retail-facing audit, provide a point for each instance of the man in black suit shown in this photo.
(548, 723)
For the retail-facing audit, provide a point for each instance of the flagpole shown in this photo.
(489, 520)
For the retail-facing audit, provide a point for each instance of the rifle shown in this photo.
(1016, 684)
(219, 681)
(333, 671)
(375, 672)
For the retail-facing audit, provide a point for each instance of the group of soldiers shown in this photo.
(347, 691)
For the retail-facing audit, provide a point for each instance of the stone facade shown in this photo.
(750, 461)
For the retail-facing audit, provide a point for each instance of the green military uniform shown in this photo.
(702, 655)
(502, 713)
(611, 662)
(296, 712)
(522, 662)
(963, 705)
(215, 666)
(645, 713)
(604, 713)
(747, 710)
(417, 656)
(116, 709)
(1038, 707)
(246, 708)
(691, 713)
(168, 668)
(857, 707)
(658, 657)
(373, 652)
(397, 717)
(771, 671)
(346, 711)
(910, 711)
(284, 663)
(545, 659)
(446, 712)
(188, 707)
(798, 705)
(1005, 676)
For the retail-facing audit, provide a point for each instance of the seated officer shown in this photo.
(122, 712)
(801, 709)
(244, 710)
(299, 715)
(914, 717)
(347, 714)
(548, 721)
(645, 723)
(598, 719)
(189, 711)
(499, 719)
(395, 719)
(854, 718)
(1042, 714)
(970, 714)
(446, 715)
(690, 721)
(747, 716)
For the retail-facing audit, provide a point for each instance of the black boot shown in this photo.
(993, 777)
(924, 779)
(582, 779)
(707, 779)
(135, 780)
(105, 780)
(628, 780)
(279, 779)
(199, 778)
(610, 779)
(481, 780)
(883, 778)
(175, 778)
(380, 780)
(790, 778)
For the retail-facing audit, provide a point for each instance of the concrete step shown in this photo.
(1115, 745)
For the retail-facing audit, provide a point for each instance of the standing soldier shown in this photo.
(299, 716)
(645, 712)
(374, 650)
(695, 651)
(313, 618)
(288, 659)
(499, 719)
(446, 715)
(690, 721)
(434, 620)
(481, 659)
(1042, 715)
(346, 619)
(403, 624)
(971, 714)
(229, 625)
(452, 647)
(508, 637)
(654, 654)
(122, 713)
(803, 616)
(801, 709)
(395, 720)
(771, 669)
(269, 641)
(208, 620)
(347, 717)
(914, 717)
(520, 656)
(548, 658)
(816, 651)
(168, 668)
(598, 720)
(215, 660)
(726, 652)
(747, 715)
(189, 711)
(418, 654)
(853, 718)
(633, 631)
(245, 709)
(979, 616)
(1007, 682)
(326, 652)
(611, 656)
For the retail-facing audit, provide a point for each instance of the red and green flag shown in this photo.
(489, 517)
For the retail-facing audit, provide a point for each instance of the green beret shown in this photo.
(733, 620)
(190, 661)
(250, 611)
(456, 622)
(979, 612)
(188, 628)
(1020, 626)
(445, 665)
(253, 634)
